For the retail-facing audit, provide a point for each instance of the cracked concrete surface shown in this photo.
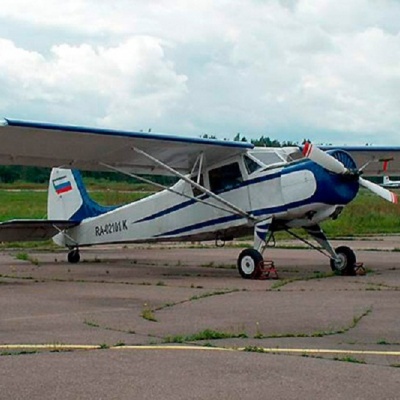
(197, 291)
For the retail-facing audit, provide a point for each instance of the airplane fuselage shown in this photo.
(299, 194)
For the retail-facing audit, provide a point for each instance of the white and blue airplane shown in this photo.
(225, 189)
(390, 184)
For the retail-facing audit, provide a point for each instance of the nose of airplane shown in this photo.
(338, 188)
(340, 162)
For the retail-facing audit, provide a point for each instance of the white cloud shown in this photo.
(284, 68)
(104, 84)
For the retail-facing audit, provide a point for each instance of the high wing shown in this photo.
(32, 230)
(52, 145)
(373, 157)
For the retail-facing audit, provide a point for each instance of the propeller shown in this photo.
(333, 165)
(323, 159)
(379, 190)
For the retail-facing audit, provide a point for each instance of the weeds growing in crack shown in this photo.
(318, 275)
(91, 323)
(17, 353)
(349, 359)
(148, 313)
(254, 349)
(197, 297)
(27, 257)
(356, 320)
(207, 334)
(210, 294)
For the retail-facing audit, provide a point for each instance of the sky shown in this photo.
(325, 70)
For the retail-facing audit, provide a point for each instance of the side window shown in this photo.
(251, 165)
(225, 178)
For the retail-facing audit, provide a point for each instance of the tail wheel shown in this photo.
(345, 262)
(74, 256)
(250, 264)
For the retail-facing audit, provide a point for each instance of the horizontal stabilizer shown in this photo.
(25, 230)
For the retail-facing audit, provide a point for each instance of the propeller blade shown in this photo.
(323, 159)
(379, 190)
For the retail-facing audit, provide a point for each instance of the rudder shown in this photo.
(68, 198)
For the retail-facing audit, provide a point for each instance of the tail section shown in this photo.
(68, 198)
(386, 180)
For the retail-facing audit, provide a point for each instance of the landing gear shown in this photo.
(74, 256)
(345, 262)
(250, 264)
(342, 259)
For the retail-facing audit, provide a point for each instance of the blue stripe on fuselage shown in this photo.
(217, 221)
(331, 189)
(205, 197)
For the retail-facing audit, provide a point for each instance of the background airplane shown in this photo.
(388, 183)
(225, 189)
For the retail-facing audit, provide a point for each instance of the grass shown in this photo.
(26, 257)
(148, 313)
(207, 334)
(317, 275)
(318, 334)
(92, 183)
(210, 294)
(17, 353)
(254, 349)
(33, 204)
(367, 214)
(349, 359)
(91, 324)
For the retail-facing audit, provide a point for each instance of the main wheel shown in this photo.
(346, 261)
(250, 264)
(74, 256)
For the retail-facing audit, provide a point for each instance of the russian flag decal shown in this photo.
(62, 185)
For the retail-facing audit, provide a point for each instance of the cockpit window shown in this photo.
(225, 178)
(251, 165)
(267, 158)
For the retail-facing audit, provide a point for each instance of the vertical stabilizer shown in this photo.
(68, 198)
(386, 180)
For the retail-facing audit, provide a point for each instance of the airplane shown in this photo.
(389, 184)
(224, 190)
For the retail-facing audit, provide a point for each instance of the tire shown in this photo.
(346, 263)
(250, 264)
(74, 256)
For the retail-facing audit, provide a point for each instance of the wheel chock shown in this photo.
(359, 269)
(268, 271)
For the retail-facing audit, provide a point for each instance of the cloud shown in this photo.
(102, 84)
(287, 68)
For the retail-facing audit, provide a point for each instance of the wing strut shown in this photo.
(159, 185)
(196, 185)
(200, 167)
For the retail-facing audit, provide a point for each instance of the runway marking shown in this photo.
(64, 347)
